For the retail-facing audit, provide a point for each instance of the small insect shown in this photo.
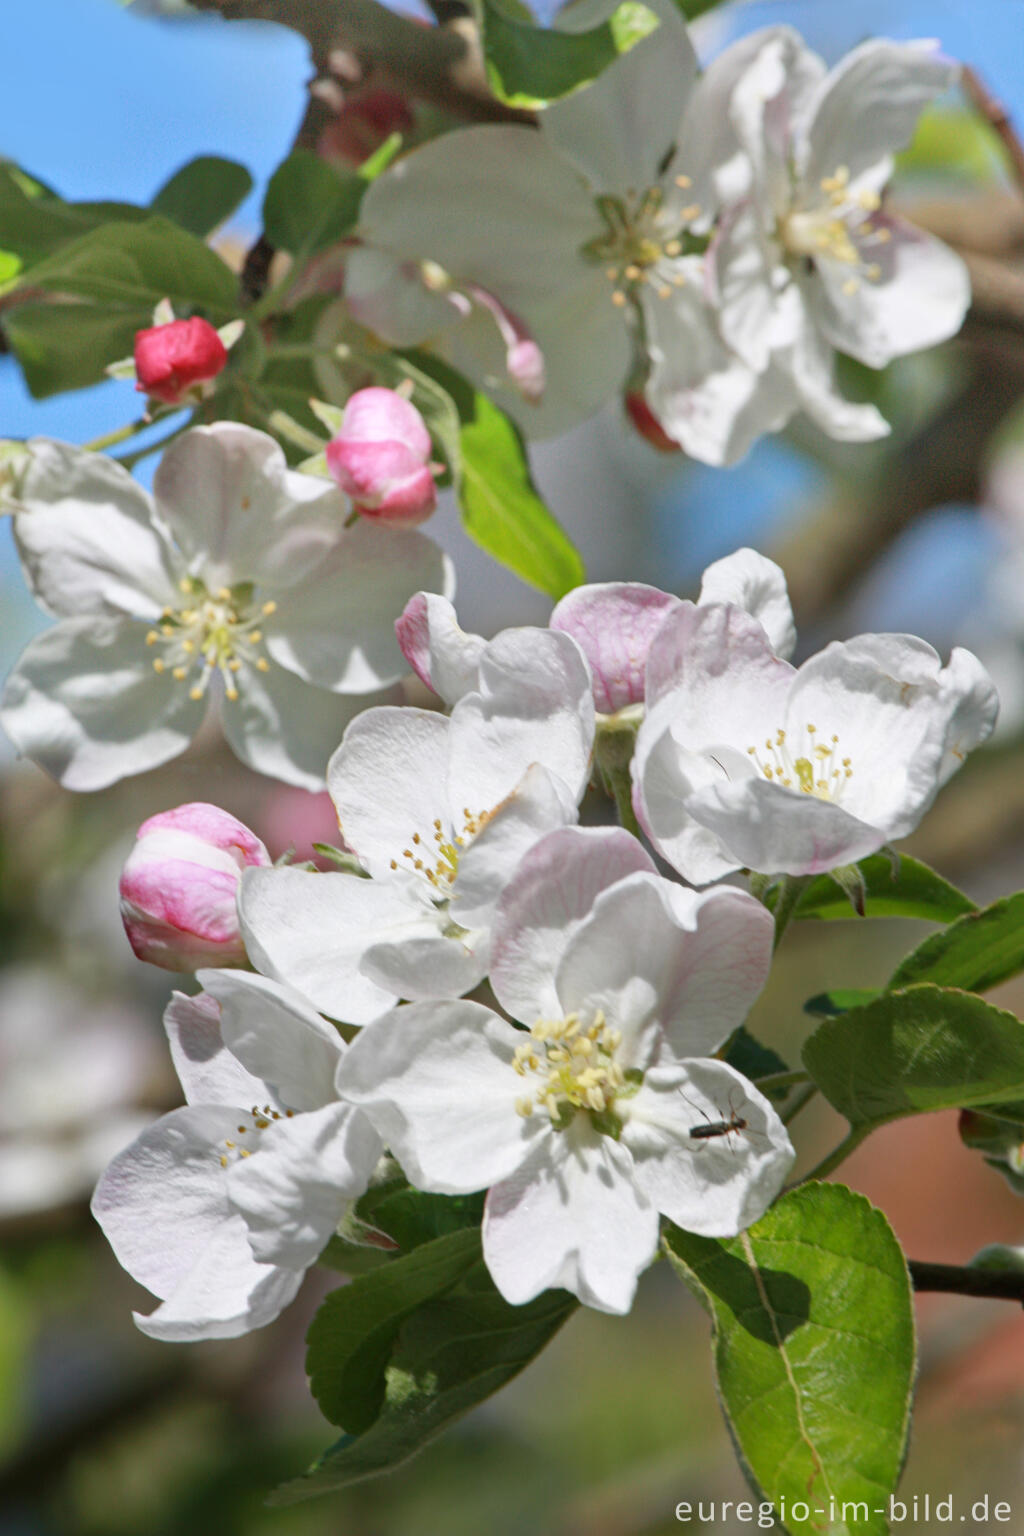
(712, 1129)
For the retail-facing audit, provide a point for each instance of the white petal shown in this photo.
(538, 805)
(337, 627)
(550, 894)
(974, 712)
(163, 1199)
(442, 655)
(387, 294)
(664, 776)
(810, 366)
(311, 931)
(388, 783)
(717, 664)
(535, 705)
(713, 1185)
(777, 830)
(571, 1217)
(619, 128)
(436, 1079)
(208, 1072)
(294, 1190)
(225, 1294)
(674, 971)
(88, 538)
(277, 1036)
(868, 106)
(85, 703)
(239, 513)
(420, 960)
(287, 728)
(613, 623)
(920, 298)
(758, 586)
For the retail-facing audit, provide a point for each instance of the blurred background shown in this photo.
(106, 1433)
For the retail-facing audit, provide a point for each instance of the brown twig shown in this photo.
(961, 1280)
(997, 116)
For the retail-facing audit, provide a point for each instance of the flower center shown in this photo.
(840, 229)
(816, 769)
(436, 859)
(211, 632)
(576, 1066)
(259, 1120)
(640, 236)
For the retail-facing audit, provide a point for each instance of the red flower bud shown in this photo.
(381, 458)
(363, 124)
(648, 425)
(170, 360)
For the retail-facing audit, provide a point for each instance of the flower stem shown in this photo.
(614, 751)
(780, 1080)
(804, 1097)
(788, 888)
(119, 435)
(838, 1155)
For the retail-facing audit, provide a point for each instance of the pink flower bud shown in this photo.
(179, 886)
(171, 359)
(381, 458)
(362, 125)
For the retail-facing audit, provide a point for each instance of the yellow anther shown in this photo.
(673, 247)
(263, 665)
(179, 674)
(152, 637)
(691, 211)
(269, 608)
(684, 182)
(158, 665)
(195, 693)
(618, 298)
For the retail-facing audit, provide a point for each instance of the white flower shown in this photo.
(806, 258)
(743, 760)
(605, 1112)
(583, 230)
(237, 569)
(215, 1208)
(613, 623)
(439, 811)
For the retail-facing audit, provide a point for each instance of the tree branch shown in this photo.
(957, 1280)
(995, 113)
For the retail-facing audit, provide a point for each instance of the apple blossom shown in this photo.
(744, 760)
(587, 1125)
(172, 360)
(236, 569)
(257, 1066)
(439, 811)
(584, 229)
(613, 623)
(381, 458)
(179, 887)
(807, 260)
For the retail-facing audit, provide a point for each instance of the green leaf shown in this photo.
(917, 1050)
(452, 1353)
(35, 221)
(68, 346)
(529, 65)
(840, 1000)
(813, 1341)
(308, 205)
(132, 266)
(976, 952)
(203, 193)
(750, 1057)
(351, 1338)
(911, 890)
(412, 1216)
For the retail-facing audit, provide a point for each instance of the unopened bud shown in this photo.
(648, 425)
(381, 458)
(179, 887)
(362, 125)
(172, 360)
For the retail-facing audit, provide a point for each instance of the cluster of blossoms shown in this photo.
(704, 243)
(591, 1094)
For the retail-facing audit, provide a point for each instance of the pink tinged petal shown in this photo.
(571, 1217)
(757, 585)
(713, 1185)
(277, 1037)
(207, 1071)
(534, 706)
(619, 129)
(378, 415)
(88, 538)
(239, 513)
(211, 825)
(385, 482)
(716, 663)
(444, 657)
(869, 105)
(550, 894)
(613, 623)
(84, 703)
(538, 805)
(674, 971)
(295, 1188)
(287, 728)
(337, 629)
(388, 783)
(437, 1082)
(311, 931)
(919, 297)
